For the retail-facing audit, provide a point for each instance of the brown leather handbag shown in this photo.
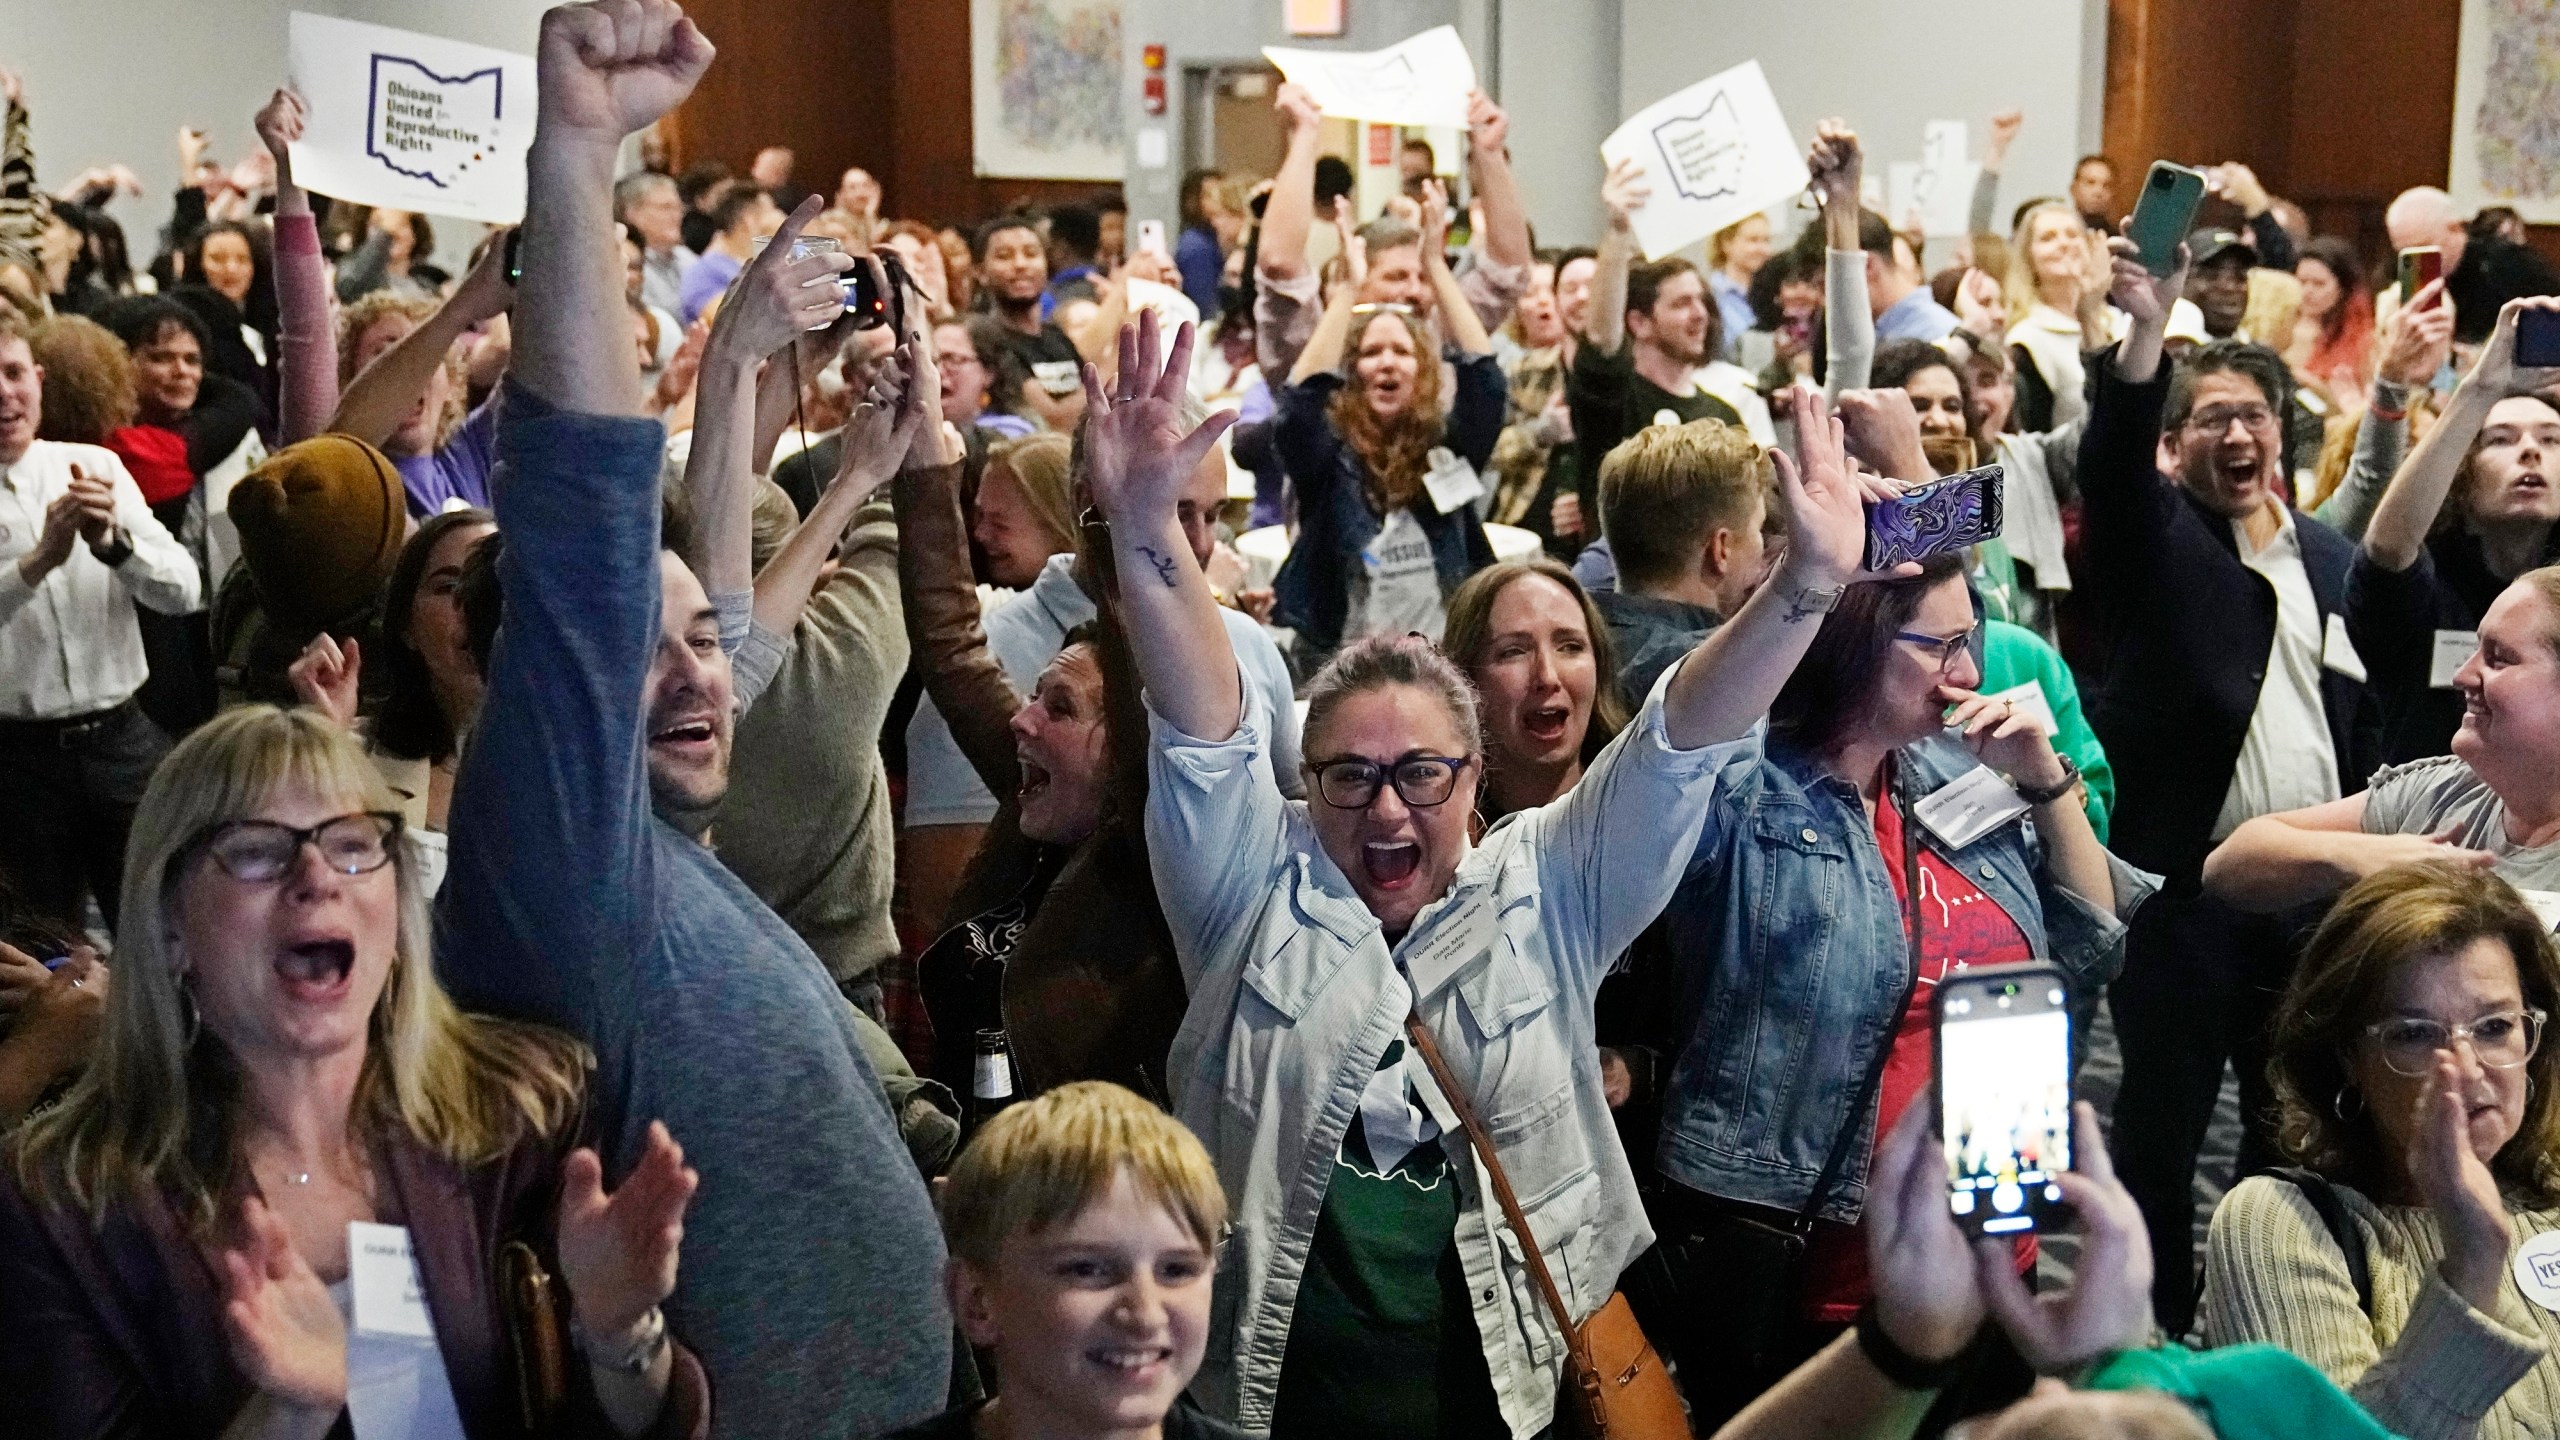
(1615, 1385)
(531, 1301)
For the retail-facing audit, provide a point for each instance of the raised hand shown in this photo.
(2108, 1307)
(325, 677)
(1980, 308)
(54, 541)
(2496, 370)
(1926, 1296)
(1826, 503)
(12, 89)
(607, 67)
(886, 426)
(1836, 162)
(1884, 433)
(485, 290)
(618, 1251)
(1298, 109)
(286, 1334)
(2457, 1187)
(2418, 338)
(1623, 192)
(2139, 293)
(1435, 222)
(1488, 125)
(1139, 459)
(2004, 132)
(279, 124)
(778, 297)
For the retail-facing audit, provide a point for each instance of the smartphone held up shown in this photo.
(2004, 1095)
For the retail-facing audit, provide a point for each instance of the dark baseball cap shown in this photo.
(2213, 241)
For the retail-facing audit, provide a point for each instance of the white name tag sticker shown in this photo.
(2546, 904)
(389, 1298)
(2537, 1269)
(2453, 649)
(2337, 652)
(1970, 807)
(2029, 696)
(1452, 481)
(1452, 943)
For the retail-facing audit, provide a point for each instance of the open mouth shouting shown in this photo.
(692, 738)
(1546, 724)
(316, 971)
(1035, 780)
(1390, 864)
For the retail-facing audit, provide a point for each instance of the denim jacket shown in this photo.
(1796, 966)
(1295, 994)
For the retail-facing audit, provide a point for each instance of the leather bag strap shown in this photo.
(1482, 1143)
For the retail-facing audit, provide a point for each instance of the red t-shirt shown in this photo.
(1960, 926)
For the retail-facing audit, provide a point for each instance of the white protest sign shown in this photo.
(1939, 187)
(1713, 153)
(413, 122)
(1423, 80)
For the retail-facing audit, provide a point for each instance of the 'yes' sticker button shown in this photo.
(2538, 1269)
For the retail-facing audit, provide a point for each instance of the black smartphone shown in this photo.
(2004, 1094)
(2164, 215)
(865, 300)
(2538, 337)
(1945, 515)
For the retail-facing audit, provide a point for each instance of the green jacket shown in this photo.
(2013, 655)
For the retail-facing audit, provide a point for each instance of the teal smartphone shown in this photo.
(2164, 214)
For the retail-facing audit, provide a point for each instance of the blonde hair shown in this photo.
(1040, 466)
(155, 1109)
(2019, 288)
(368, 310)
(2275, 299)
(1666, 489)
(1040, 1163)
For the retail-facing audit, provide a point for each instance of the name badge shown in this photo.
(2546, 906)
(1453, 942)
(389, 1298)
(2029, 696)
(1970, 807)
(2453, 650)
(2537, 1269)
(2337, 652)
(1452, 482)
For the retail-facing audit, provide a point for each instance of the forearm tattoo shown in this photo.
(1162, 562)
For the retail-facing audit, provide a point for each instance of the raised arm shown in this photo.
(1139, 461)
(1292, 208)
(1727, 683)
(1984, 209)
(306, 335)
(1848, 324)
(774, 301)
(2415, 342)
(1622, 193)
(2409, 504)
(876, 442)
(1506, 224)
(377, 400)
(1466, 328)
(1332, 335)
(2276, 862)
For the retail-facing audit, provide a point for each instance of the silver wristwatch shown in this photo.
(633, 1358)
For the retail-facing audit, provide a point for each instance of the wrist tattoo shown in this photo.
(1162, 562)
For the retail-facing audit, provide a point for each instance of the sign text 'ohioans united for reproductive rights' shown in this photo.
(410, 121)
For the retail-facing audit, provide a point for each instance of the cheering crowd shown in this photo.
(754, 818)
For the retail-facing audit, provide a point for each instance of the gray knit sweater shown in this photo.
(2426, 1364)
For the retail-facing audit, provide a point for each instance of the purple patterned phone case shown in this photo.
(1945, 515)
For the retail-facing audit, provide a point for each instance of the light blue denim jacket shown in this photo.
(1295, 994)
(1796, 967)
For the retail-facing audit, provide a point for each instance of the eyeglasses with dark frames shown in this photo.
(260, 851)
(1420, 780)
(1940, 648)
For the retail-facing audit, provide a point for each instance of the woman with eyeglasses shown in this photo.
(1827, 898)
(1373, 1287)
(287, 1124)
(1386, 471)
(2415, 1256)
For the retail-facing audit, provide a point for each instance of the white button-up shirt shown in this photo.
(68, 644)
(2287, 761)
